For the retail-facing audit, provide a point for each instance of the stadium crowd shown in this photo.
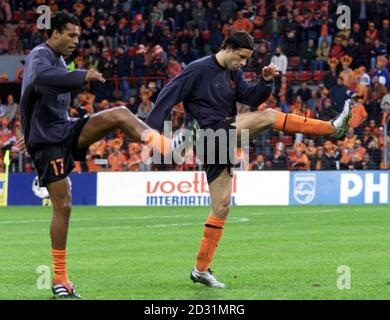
(139, 45)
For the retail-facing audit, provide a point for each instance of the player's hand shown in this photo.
(94, 75)
(20, 146)
(271, 71)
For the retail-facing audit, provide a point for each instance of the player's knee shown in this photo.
(121, 115)
(264, 119)
(64, 206)
(223, 208)
(270, 116)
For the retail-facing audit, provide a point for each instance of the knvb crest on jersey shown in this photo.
(304, 188)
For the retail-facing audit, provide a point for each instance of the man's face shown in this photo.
(237, 58)
(67, 41)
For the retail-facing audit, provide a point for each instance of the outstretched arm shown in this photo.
(177, 90)
(54, 79)
(254, 95)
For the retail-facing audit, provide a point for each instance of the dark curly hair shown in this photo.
(59, 21)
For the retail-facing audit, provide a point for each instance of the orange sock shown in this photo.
(158, 142)
(59, 266)
(213, 231)
(292, 123)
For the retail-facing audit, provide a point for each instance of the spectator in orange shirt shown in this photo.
(359, 115)
(1, 162)
(242, 23)
(349, 140)
(358, 148)
(299, 160)
(356, 160)
(116, 161)
(77, 168)
(133, 163)
(311, 152)
(346, 157)
(306, 111)
(352, 158)
(115, 143)
(372, 128)
(227, 28)
(98, 148)
(372, 32)
(296, 108)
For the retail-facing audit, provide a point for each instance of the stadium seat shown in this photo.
(299, 5)
(274, 140)
(312, 5)
(288, 140)
(18, 15)
(318, 75)
(206, 35)
(304, 75)
(291, 76)
(258, 34)
(131, 51)
(30, 15)
(293, 62)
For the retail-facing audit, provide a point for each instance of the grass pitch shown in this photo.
(148, 252)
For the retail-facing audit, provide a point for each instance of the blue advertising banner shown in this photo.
(303, 188)
(339, 187)
(20, 189)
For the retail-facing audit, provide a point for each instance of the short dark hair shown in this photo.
(59, 21)
(239, 40)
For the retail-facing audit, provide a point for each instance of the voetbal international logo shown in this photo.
(304, 188)
(178, 191)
